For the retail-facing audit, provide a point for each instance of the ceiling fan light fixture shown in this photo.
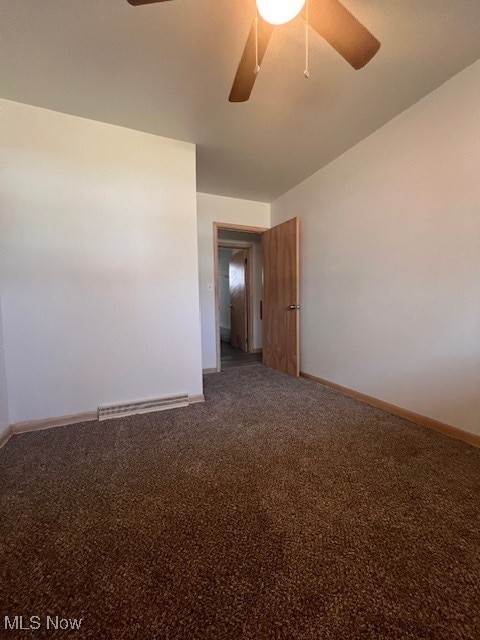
(279, 11)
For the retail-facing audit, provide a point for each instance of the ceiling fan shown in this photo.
(329, 18)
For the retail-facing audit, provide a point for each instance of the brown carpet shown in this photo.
(277, 510)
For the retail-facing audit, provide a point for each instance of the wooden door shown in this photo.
(281, 303)
(238, 300)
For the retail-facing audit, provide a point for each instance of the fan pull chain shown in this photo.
(257, 66)
(306, 73)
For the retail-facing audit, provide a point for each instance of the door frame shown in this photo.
(227, 226)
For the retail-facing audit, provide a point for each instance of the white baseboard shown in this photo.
(49, 423)
(195, 399)
(5, 435)
(207, 371)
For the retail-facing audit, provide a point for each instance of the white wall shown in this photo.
(100, 279)
(390, 259)
(255, 240)
(210, 209)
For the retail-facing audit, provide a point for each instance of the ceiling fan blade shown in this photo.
(137, 3)
(343, 31)
(245, 76)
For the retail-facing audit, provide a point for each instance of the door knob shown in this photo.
(295, 306)
(230, 306)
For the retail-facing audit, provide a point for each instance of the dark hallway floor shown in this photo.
(231, 357)
(276, 510)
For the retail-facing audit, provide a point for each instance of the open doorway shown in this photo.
(239, 286)
(256, 280)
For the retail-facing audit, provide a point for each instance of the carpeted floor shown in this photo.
(279, 509)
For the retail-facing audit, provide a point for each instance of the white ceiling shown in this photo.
(168, 68)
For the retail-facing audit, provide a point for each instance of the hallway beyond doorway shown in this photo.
(231, 357)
